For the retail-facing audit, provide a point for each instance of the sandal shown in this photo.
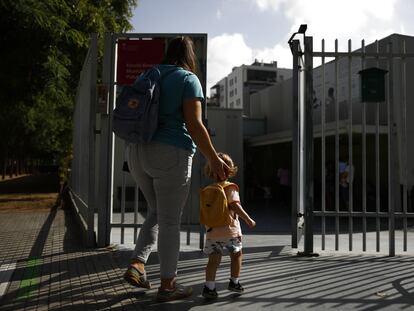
(136, 278)
(178, 292)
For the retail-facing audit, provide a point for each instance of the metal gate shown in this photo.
(83, 169)
(121, 208)
(353, 170)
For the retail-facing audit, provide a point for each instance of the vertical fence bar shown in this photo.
(295, 142)
(403, 119)
(323, 143)
(308, 154)
(391, 155)
(364, 166)
(377, 166)
(364, 161)
(336, 150)
(350, 158)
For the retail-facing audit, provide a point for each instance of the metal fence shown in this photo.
(334, 128)
(83, 174)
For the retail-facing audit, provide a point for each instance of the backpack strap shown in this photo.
(226, 184)
(155, 73)
(165, 74)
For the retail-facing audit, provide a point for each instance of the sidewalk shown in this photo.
(49, 270)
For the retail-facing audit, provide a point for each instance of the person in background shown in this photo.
(344, 180)
(162, 169)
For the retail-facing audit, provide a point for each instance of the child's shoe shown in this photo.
(209, 293)
(238, 288)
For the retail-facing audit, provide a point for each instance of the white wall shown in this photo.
(275, 104)
(228, 127)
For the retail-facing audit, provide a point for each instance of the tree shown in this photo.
(43, 45)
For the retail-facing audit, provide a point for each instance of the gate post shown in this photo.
(295, 139)
(307, 156)
(105, 152)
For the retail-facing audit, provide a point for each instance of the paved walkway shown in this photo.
(49, 270)
(44, 267)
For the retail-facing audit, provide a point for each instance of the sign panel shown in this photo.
(135, 56)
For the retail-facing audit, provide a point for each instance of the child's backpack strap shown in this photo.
(226, 184)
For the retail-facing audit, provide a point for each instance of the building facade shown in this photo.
(340, 83)
(234, 90)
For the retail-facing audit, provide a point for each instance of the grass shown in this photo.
(18, 202)
(29, 193)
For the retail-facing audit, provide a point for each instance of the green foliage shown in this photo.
(43, 45)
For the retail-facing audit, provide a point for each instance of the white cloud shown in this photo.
(268, 4)
(230, 50)
(280, 53)
(338, 19)
(342, 20)
(326, 19)
(224, 53)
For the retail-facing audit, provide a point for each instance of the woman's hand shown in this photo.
(219, 168)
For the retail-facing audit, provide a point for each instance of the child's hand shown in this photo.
(251, 223)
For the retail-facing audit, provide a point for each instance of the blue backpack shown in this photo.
(135, 117)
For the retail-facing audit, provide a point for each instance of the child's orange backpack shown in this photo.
(214, 209)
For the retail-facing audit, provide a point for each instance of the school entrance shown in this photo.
(109, 205)
(352, 163)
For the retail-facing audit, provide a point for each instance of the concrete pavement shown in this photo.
(50, 270)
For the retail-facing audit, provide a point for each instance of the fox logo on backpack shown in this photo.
(135, 117)
(214, 210)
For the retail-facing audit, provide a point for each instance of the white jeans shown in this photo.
(163, 173)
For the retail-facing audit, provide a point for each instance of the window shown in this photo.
(235, 79)
(261, 75)
(231, 93)
(231, 82)
(238, 102)
(232, 105)
(235, 91)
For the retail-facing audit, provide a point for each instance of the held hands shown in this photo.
(219, 168)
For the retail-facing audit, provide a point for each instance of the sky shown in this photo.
(240, 31)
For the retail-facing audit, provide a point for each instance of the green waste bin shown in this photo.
(372, 84)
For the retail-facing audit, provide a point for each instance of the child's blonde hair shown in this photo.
(231, 172)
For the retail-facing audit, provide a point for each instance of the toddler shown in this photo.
(228, 236)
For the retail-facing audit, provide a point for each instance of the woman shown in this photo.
(162, 168)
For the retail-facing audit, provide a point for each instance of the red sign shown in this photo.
(135, 56)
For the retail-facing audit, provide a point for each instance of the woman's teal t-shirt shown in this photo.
(176, 87)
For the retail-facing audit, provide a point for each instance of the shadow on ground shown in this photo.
(40, 183)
